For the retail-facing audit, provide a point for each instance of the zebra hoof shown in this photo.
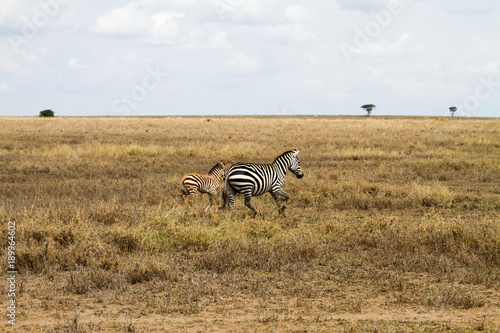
(258, 214)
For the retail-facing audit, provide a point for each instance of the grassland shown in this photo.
(394, 228)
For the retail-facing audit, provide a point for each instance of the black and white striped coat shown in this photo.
(251, 179)
(209, 184)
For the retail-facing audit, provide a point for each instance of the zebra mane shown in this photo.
(285, 153)
(215, 168)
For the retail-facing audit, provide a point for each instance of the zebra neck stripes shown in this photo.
(217, 171)
(282, 163)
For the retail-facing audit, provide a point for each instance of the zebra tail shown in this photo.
(225, 198)
(225, 195)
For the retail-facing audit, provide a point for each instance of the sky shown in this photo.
(249, 57)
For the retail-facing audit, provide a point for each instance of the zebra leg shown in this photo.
(230, 196)
(224, 198)
(210, 203)
(248, 197)
(278, 202)
(187, 193)
(190, 200)
(184, 193)
(216, 201)
(284, 195)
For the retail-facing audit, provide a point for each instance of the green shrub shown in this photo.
(46, 113)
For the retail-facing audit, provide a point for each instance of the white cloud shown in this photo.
(312, 59)
(296, 13)
(241, 11)
(384, 48)
(314, 84)
(139, 19)
(165, 24)
(363, 5)
(75, 64)
(491, 67)
(26, 55)
(44, 51)
(218, 41)
(12, 12)
(8, 65)
(289, 33)
(5, 88)
(241, 63)
(125, 21)
(342, 96)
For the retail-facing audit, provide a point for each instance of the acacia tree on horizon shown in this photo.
(46, 113)
(368, 108)
(453, 109)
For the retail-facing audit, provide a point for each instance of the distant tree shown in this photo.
(368, 108)
(453, 109)
(46, 113)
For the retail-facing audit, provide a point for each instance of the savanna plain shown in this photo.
(394, 227)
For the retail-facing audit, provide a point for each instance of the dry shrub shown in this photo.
(36, 235)
(107, 214)
(143, 269)
(182, 237)
(91, 253)
(257, 254)
(65, 238)
(78, 282)
(449, 249)
(455, 297)
(34, 259)
(44, 248)
(435, 195)
(105, 279)
(465, 241)
(258, 228)
(124, 240)
(82, 280)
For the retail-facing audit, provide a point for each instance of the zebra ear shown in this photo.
(296, 152)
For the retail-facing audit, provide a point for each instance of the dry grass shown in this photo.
(392, 214)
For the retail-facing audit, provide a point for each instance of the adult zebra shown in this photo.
(209, 184)
(252, 179)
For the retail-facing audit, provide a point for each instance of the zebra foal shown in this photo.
(251, 179)
(209, 184)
